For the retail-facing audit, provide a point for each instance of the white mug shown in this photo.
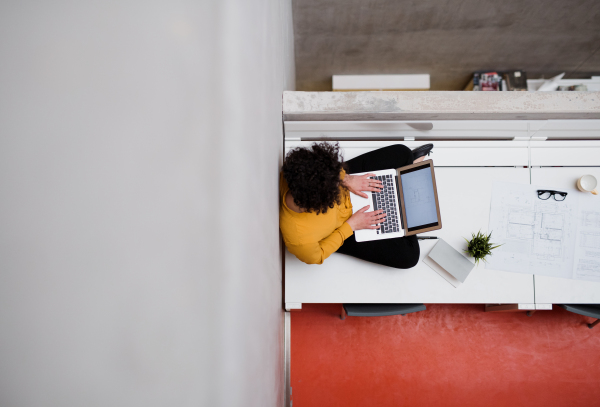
(587, 183)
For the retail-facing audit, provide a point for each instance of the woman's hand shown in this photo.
(366, 220)
(358, 183)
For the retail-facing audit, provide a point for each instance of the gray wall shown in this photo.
(446, 39)
(140, 143)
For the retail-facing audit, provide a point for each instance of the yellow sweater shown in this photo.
(311, 237)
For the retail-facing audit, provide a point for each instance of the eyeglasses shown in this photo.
(546, 194)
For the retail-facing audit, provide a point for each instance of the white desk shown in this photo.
(469, 129)
(464, 195)
(551, 290)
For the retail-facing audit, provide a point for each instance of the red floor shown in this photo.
(449, 355)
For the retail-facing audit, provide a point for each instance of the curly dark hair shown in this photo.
(313, 176)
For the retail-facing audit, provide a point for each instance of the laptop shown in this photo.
(409, 199)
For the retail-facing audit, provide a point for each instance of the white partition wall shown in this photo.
(123, 282)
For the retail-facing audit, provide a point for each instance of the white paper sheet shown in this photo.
(537, 236)
(587, 248)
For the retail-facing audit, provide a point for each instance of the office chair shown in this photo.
(589, 310)
(379, 310)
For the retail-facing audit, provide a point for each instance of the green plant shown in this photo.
(479, 246)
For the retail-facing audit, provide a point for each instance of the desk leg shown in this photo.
(509, 307)
(540, 307)
(343, 316)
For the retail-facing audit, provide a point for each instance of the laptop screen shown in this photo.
(419, 198)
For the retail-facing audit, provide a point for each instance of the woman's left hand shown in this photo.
(358, 183)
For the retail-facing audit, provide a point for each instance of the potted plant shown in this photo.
(479, 246)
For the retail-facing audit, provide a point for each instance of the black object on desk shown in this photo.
(544, 195)
(426, 237)
(379, 310)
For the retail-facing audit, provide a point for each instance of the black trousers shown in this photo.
(399, 252)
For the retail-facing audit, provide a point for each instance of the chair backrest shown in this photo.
(379, 310)
(589, 310)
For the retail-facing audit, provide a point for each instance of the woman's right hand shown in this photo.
(366, 220)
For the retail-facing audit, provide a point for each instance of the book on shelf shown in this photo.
(515, 80)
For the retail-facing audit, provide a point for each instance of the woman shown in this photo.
(315, 214)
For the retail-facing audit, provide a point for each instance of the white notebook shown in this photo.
(449, 263)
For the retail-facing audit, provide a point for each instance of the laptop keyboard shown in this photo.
(386, 200)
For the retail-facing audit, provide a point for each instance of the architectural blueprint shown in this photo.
(558, 239)
(587, 249)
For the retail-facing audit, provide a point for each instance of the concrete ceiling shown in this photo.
(449, 39)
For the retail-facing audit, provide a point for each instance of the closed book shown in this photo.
(449, 263)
